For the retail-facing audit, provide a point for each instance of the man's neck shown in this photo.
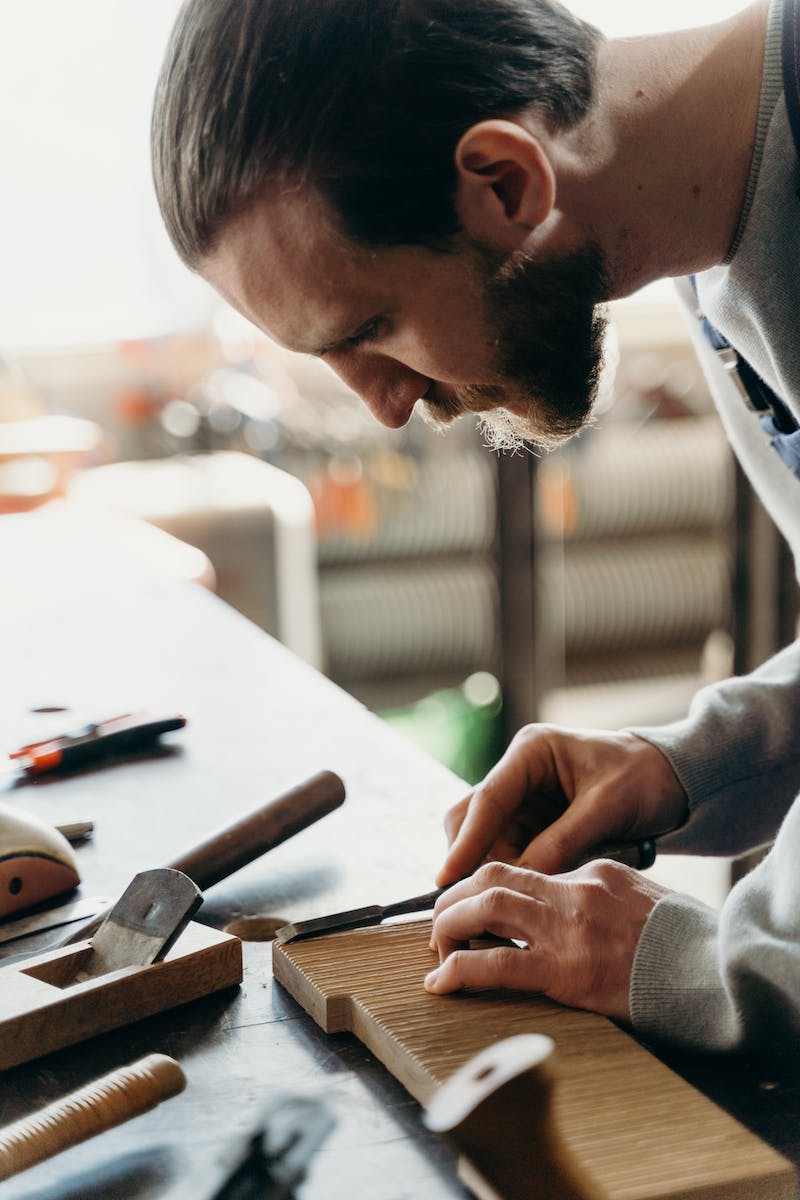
(658, 173)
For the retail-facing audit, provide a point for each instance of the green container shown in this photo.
(459, 727)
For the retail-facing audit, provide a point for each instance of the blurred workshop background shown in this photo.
(456, 593)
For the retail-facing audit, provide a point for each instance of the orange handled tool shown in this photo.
(84, 747)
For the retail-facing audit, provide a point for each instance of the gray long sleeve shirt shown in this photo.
(702, 978)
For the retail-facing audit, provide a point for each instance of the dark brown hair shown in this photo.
(365, 100)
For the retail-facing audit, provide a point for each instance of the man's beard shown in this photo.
(548, 333)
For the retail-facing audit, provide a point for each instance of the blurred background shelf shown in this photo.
(594, 583)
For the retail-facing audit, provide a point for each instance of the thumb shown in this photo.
(566, 843)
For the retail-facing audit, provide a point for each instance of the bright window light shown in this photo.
(84, 257)
(629, 18)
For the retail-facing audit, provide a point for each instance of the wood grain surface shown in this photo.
(637, 1128)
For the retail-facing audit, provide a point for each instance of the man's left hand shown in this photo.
(580, 930)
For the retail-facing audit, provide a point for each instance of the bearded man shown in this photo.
(437, 197)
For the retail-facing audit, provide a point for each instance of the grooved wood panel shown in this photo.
(640, 1131)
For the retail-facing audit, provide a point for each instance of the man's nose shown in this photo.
(388, 388)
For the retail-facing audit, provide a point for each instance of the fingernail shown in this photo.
(431, 979)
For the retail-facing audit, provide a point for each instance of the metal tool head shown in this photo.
(355, 918)
(145, 922)
(274, 1158)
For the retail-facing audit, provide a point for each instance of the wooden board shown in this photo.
(42, 1009)
(638, 1129)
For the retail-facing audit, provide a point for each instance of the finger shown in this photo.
(498, 966)
(498, 911)
(490, 875)
(459, 891)
(485, 816)
(477, 831)
(454, 818)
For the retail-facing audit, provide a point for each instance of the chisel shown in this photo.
(356, 918)
(636, 854)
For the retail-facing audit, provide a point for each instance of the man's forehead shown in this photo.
(284, 266)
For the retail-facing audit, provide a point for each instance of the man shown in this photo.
(436, 196)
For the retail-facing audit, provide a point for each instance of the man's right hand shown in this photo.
(557, 797)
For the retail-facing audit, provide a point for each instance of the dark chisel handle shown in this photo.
(415, 904)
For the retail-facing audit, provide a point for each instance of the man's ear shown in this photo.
(506, 183)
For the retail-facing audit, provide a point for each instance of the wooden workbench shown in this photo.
(259, 721)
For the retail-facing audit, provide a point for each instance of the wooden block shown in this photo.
(636, 1128)
(42, 1009)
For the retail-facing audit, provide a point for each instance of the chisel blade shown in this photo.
(355, 918)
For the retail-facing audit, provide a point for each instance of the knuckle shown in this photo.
(491, 875)
(527, 734)
(603, 872)
(588, 893)
(453, 967)
(493, 902)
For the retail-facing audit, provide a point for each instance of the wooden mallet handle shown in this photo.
(109, 1101)
(236, 845)
(281, 818)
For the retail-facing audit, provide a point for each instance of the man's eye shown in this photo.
(366, 334)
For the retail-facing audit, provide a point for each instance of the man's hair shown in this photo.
(363, 100)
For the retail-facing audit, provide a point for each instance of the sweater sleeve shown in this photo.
(725, 980)
(737, 755)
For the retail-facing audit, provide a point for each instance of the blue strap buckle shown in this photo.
(785, 445)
